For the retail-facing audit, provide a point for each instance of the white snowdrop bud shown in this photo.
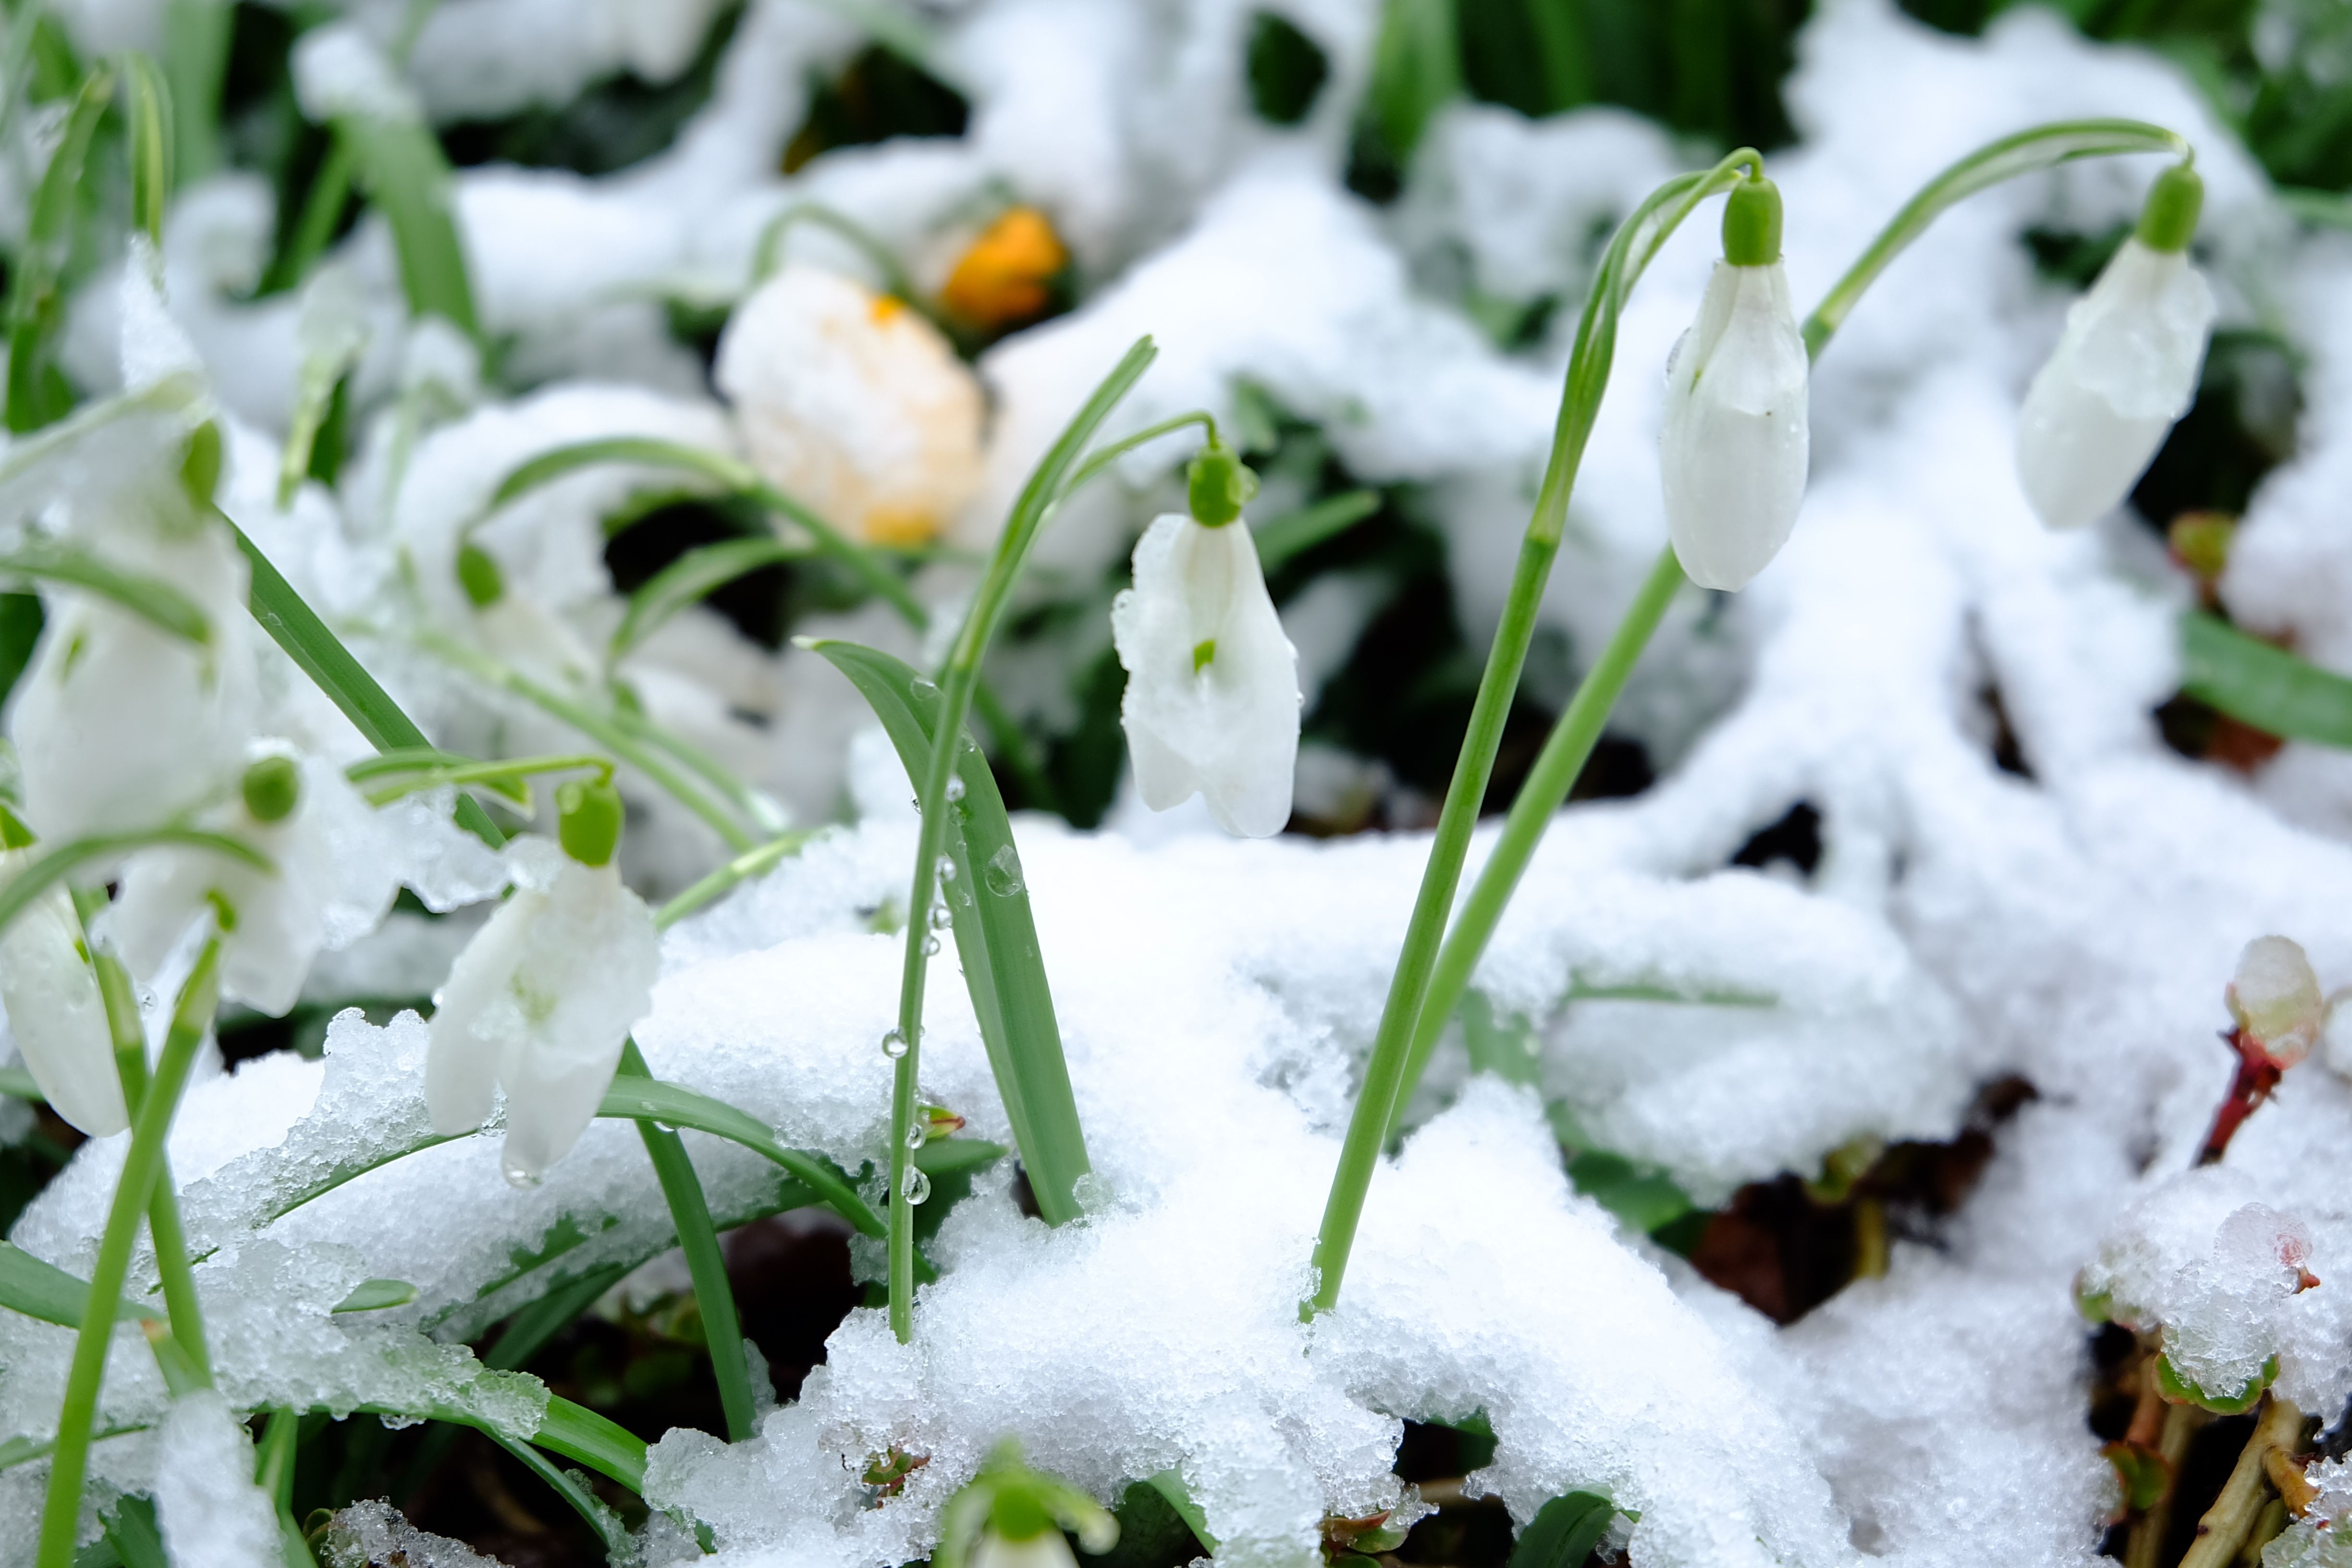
(853, 405)
(1211, 702)
(539, 1004)
(1734, 444)
(2276, 999)
(2124, 368)
(55, 1015)
(1046, 1549)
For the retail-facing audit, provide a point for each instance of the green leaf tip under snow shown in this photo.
(376, 1295)
(1563, 1532)
(2259, 684)
(2178, 1390)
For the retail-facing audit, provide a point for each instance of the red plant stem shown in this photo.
(2257, 1075)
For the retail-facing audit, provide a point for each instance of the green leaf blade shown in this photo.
(995, 933)
(675, 1105)
(2261, 685)
(1563, 1532)
(692, 577)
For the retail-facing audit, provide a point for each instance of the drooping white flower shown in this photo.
(55, 1014)
(331, 882)
(2125, 369)
(2274, 998)
(541, 1001)
(853, 405)
(1734, 444)
(1212, 703)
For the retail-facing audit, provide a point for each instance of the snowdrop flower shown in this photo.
(55, 1014)
(2274, 999)
(1735, 445)
(853, 405)
(1213, 698)
(2124, 370)
(542, 999)
(120, 723)
(1011, 1517)
(332, 881)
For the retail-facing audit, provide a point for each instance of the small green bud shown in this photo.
(1017, 1512)
(200, 467)
(588, 820)
(1751, 223)
(272, 787)
(478, 574)
(13, 834)
(2169, 220)
(1219, 484)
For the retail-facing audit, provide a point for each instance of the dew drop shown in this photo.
(1003, 874)
(941, 918)
(946, 869)
(919, 1185)
(931, 946)
(919, 1133)
(955, 786)
(923, 688)
(519, 1176)
(894, 1044)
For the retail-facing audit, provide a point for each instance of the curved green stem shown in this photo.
(1105, 456)
(62, 860)
(704, 1264)
(1630, 251)
(768, 254)
(954, 696)
(1573, 735)
(70, 1461)
(603, 730)
(2043, 147)
(742, 869)
(430, 769)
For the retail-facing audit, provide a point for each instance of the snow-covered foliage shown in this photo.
(2069, 914)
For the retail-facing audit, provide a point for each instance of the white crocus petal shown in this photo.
(1735, 445)
(1212, 699)
(539, 1002)
(2125, 369)
(334, 881)
(1046, 1549)
(121, 725)
(55, 1015)
(853, 405)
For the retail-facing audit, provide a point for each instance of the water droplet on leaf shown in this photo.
(919, 1185)
(1004, 872)
(894, 1044)
(518, 1176)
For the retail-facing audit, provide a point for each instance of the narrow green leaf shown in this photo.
(17, 1083)
(182, 1375)
(1416, 67)
(45, 1291)
(150, 113)
(195, 61)
(24, 1451)
(1282, 538)
(1170, 1486)
(601, 1444)
(2266, 687)
(129, 1526)
(1563, 1532)
(620, 1546)
(675, 1105)
(731, 478)
(58, 861)
(742, 869)
(995, 935)
(690, 578)
(401, 167)
(149, 598)
(34, 309)
(376, 1295)
(296, 628)
(529, 1331)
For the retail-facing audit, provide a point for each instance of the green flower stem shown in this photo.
(1554, 774)
(164, 1226)
(767, 255)
(61, 1513)
(1105, 456)
(761, 811)
(2042, 147)
(742, 869)
(428, 769)
(599, 728)
(961, 675)
(1573, 735)
(722, 1331)
(1630, 251)
(322, 209)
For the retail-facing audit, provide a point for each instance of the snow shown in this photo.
(2077, 925)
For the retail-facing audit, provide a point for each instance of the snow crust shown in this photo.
(2074, 924)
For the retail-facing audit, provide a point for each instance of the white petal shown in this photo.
(1047, 1549)
(583, 981)
(1735, 445)
(461, 1065)
(55, 1014)
(1227, 727)
(2125, 369)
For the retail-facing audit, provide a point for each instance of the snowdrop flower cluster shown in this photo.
(1211, 704)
